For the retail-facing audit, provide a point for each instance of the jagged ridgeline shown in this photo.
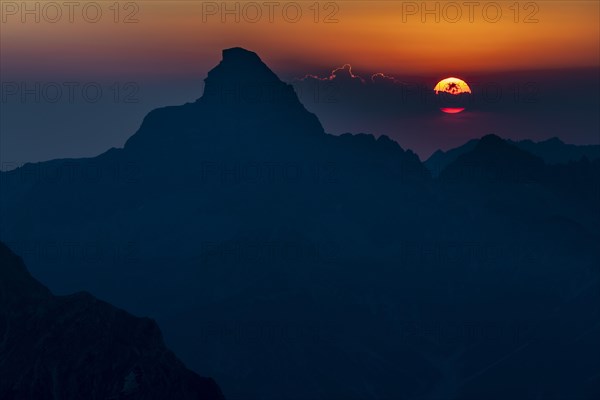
(291, 264)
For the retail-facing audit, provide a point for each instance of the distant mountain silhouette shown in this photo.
(494, 160)
(77, 347)
(555, 151)
(292, 264)
(552, 151)
(440, 159)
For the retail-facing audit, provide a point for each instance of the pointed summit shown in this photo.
(237, 57)
(240, 65)
(243, 101)
(242, 78)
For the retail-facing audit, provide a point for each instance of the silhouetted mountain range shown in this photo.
(555, 151)
(77, 347)
(552, 151)
(494, 160)
(292, 264)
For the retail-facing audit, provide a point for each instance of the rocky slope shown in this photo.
(78, 347)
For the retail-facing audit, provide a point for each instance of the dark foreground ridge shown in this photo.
(78, 347)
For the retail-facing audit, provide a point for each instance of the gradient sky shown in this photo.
(170, 46)
(182, 36)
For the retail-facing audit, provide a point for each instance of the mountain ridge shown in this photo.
(76, 346)
(552, 151)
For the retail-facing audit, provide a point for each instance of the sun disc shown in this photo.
(452, 85)
(452, 93)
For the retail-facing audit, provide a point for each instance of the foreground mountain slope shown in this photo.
(77, 347)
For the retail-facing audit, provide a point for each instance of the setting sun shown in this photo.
(451, 91)
(452, 85)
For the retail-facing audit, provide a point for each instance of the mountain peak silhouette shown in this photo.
(552, 151)
(240, 66)
(239, 53)
(494, 159)
(238, 56)
(244, 103)
(243, 79)
(491, 141)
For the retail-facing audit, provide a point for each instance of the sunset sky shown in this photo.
(178, 37)
(167, 47)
